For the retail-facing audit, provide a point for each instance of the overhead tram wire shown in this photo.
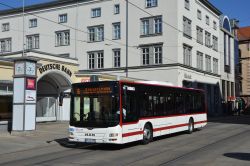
(29, 13)
(173, 27)
(119, 43)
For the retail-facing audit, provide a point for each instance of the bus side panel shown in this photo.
(131, 132)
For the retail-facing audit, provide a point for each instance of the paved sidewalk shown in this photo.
(44, 135)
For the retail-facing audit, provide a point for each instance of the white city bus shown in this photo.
(120, 112)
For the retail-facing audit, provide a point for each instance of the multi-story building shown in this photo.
(227, 64)
(244, 54)
(164, 40)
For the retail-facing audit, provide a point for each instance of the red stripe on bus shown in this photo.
(171, 116)
(120, 89)
(160, 85)
(205, 121)
(161, 128)
(132, 134)
(170, 127)
(158, 117)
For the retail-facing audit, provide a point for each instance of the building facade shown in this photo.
(244, 54)
(163, 40)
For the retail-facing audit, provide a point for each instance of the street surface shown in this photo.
(223, 142)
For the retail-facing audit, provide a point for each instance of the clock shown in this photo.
(30, 68)
(19, 68)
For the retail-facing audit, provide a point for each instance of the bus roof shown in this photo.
(153, 83)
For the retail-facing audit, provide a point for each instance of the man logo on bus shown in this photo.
(89, 134)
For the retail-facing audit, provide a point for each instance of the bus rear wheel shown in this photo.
(190, 126)
(147, 134)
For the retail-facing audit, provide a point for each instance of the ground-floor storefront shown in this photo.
(54, 78)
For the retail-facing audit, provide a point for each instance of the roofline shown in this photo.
(67, 2)
(211, 7)
(40, 6)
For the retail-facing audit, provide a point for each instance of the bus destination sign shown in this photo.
(94, 90)
(97, 90)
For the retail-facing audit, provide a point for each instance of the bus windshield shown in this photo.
(95, 111)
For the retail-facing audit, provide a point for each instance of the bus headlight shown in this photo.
(113, 135)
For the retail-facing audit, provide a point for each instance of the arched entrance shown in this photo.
(49, 87)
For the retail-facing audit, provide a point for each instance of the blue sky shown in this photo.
(238, 9)
(19, 3)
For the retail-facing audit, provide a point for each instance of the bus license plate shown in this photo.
(90, 140)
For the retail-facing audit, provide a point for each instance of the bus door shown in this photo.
(130, 115)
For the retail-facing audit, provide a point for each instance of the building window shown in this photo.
(96, 33)
(158, 55)
(157, 25)
(187, 52)
(32, 42)
(145, 56)
(207, 39)
(117, 9)
(208, 63)
(116, 31)
(199, 35)
(62, 38)
(199, 16)
(187, 4)
(215, 65)
(5, 27)
(215, 25)
(96, 60)
(152, 55)
(117, 57)
(91, 60)
(96, 12)
(5, 45)
(100, 60)
(187, 27)
(145, 27)
(215, 43)
(151, 26)
(199, 60)
(63, 18)
(151, 3)
(207, 20)
(33, 23)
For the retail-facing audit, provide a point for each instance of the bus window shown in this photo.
(179, 103)
(129, 108)
(170, 104)
(76, 115)
(86, 105)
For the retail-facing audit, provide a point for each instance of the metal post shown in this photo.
(76, 28)
(23, 29)
(126, 38)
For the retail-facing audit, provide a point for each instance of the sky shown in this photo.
(238, 9)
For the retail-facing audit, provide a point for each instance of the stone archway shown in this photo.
(49, 87)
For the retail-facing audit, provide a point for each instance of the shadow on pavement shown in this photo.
(239, 156)
(243, 119)
(106, 147)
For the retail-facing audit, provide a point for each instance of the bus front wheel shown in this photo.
(147, 134)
